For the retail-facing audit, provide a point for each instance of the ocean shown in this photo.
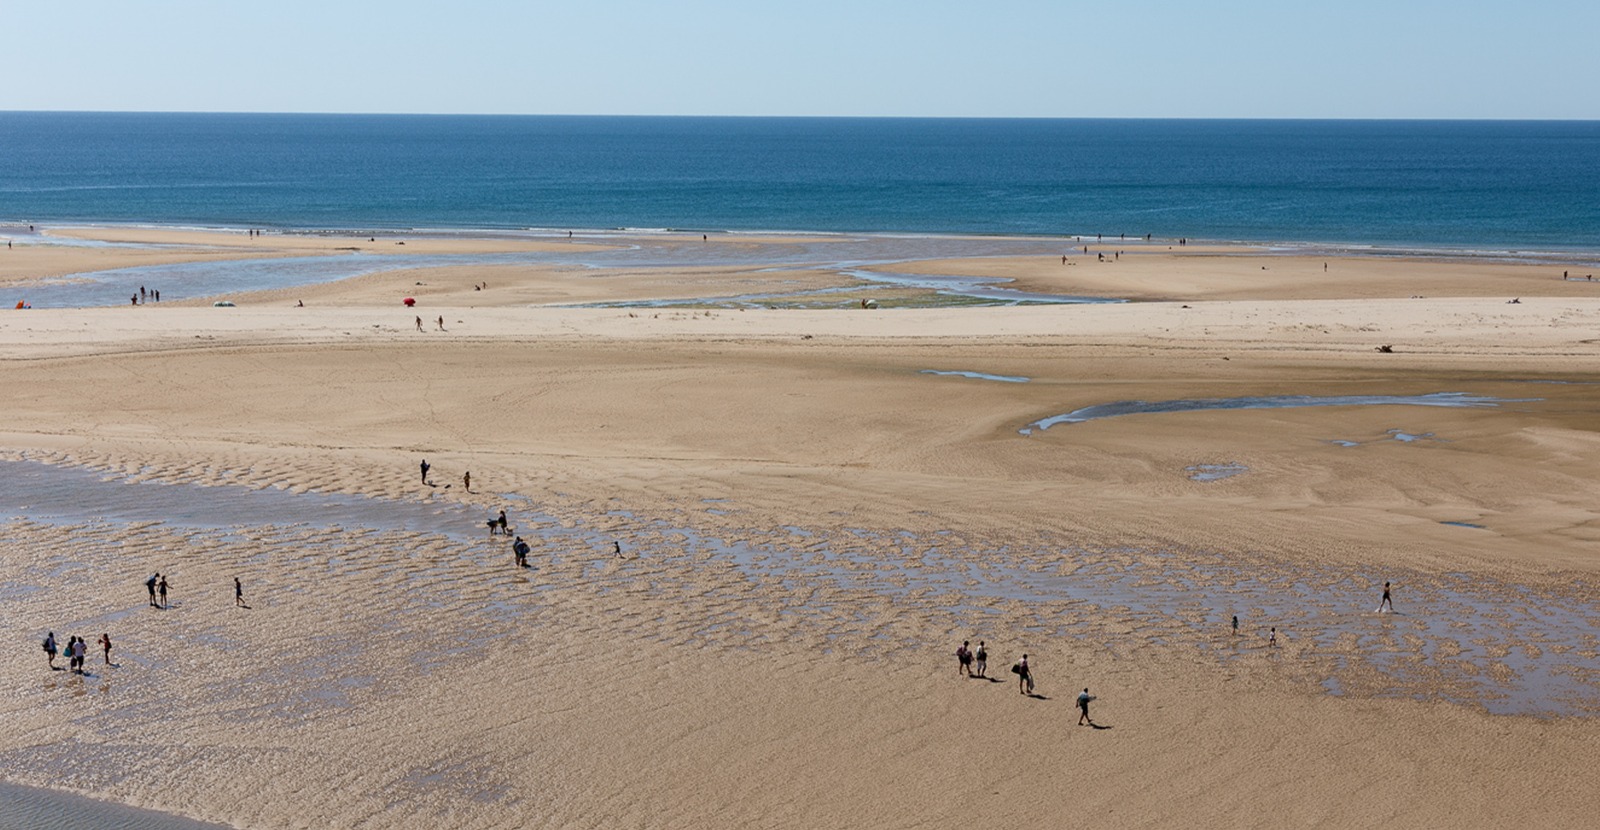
(1472, 185)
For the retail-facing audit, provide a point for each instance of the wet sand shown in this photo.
(811, 524)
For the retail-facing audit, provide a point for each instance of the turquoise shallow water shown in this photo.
(1477, 185)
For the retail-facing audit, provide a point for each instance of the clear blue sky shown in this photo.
(1139, 58)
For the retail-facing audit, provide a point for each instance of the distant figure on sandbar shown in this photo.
(150, 585)
(1386, 602)
(425, 471)
(441, 322)
(616, 547)
(466, 481)
(50, 648)
(964, 660)
(105, 647)
(982, 659)
(1083, 706)
(419, 323)
(520, 549)
(1272, 637)
(1235, 625)
(161, 588)
(238, 593)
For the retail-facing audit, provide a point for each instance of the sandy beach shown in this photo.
(816, 506)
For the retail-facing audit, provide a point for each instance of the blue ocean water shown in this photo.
(1473, 185)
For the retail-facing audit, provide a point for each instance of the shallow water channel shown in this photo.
(844, 254)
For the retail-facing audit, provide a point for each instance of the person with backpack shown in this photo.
(520, 548)
(1024, 676)
(964, 660)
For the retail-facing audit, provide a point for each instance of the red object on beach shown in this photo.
(409, 301)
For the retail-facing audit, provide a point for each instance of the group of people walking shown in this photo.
(76, 651)
(972, 662)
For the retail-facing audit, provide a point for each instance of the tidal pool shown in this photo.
(1119, 408)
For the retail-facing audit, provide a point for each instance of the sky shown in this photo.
(1002, 58)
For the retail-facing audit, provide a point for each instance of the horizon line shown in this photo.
(1503, 119)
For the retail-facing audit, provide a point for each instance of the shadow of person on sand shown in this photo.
(1036, 696)
(1093, 725)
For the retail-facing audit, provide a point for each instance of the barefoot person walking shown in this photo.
(982, 659)
(50, 648)
(105, 646)
(1024, 676)
(964, 660)
(1386, 602)
(238, 593)
(1083, 707)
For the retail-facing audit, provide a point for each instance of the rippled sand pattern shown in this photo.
(387, 673)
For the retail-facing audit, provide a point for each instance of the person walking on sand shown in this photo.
(441, 322)
(964, 659)
(1083, 707)
(425, 468)
(616, 548)
(1386, 601)
(150, 585)
(161, 588)
(50, 648)
(105, 646)
(1024, 676)
(1272, 636)
(520, 549)
(982, 659)
(238, 593)
(1235, 625)
(419, 322)
(466, 481)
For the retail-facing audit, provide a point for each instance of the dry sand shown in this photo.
(388, 678)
